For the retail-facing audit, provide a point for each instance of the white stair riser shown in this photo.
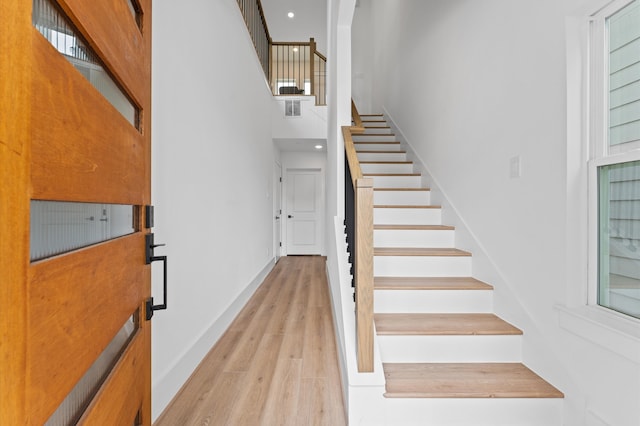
(406, 198)
(396, 181)
(374, 138)
(459, 412)
(387, 168)
(421, 266)
(407, 216)
(413, 238)
(451, 348)
(433, 301)
(377, 130)
(375, 156)
(378, 147)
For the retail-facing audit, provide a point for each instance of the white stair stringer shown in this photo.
(401, 196)
(464, 348)
(381, 156)
(395, 181)
(433, 301)
(421, 266)
(414, 215)
(373, 410)
(386, 167)
(413, 237)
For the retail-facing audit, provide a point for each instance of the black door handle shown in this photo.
(150, 257)
(289, 216)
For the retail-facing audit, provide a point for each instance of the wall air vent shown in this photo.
(292, 108)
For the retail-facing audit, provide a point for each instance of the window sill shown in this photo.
(612, 331)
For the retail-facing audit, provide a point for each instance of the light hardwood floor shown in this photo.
(276, 364)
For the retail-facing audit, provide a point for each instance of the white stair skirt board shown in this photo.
(421, 266)
(462, 412)
(378, 146)
(409, 198)
(471, 348)
(433, 301)
(413, 238)
(375, 138)
(405, 181)
(386, 168)
(402, 216)
(381, 156)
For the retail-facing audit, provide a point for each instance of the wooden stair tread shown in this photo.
(429, 283)
(402, 206)
(386, 162)
(471, 380)
(402, 189)
(414, 227)
(403, 324)
(391, 174)
(418, 251)
(371, 115)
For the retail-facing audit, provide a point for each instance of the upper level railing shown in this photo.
(359, 225)
(292, 68)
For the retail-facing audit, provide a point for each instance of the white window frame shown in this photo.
(597, 135)
(580, 314)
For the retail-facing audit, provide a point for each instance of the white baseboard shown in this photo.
(166, 387)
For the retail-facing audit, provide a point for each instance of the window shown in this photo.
(614, 160)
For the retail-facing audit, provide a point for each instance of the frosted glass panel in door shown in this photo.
(58, 227)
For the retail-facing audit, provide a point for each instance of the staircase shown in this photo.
(447, 358)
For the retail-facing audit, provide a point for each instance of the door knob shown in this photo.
(277, 217)
(289, 216)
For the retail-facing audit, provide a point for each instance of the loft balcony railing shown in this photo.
(291, 68)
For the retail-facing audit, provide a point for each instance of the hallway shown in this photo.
(276, 364)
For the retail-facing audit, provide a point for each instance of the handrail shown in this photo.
(360, 245)
(358, 127)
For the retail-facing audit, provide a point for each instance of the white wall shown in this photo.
(311, 124)
(212, 180)
(470, 85)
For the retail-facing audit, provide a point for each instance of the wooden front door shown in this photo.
(74, 127)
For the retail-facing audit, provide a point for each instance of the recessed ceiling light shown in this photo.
(319, 147)
(291, 14)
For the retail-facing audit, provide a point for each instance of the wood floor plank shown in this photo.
(249, 405)
(476, 380)
(270, 381)
(198, 394)
(282, 401)
(443, 324)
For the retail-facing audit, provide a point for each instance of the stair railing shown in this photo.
(297, 68)
(359, 225)
(292, 68)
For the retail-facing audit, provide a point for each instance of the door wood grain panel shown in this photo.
(82, 147)
(112, 32)
(71, 296)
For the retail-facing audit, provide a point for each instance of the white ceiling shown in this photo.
(310, 21)
(301, 145)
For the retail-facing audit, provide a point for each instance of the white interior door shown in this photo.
(304, 211)
(277, 211)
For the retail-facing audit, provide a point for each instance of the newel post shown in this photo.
(364, 273)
